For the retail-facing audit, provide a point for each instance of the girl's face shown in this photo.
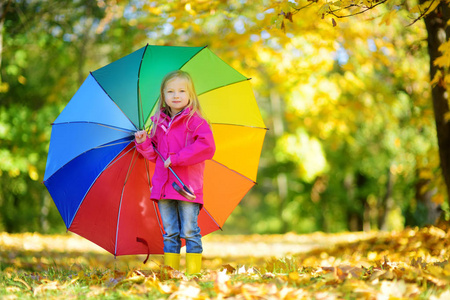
(176, 95)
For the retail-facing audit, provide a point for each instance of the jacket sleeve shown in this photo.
(146, 149)
(203, 148)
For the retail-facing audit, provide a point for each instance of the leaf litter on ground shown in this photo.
(409, 264)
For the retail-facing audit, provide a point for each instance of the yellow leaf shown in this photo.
(22, 80)
(415, 9)
(134, 279)
(447, 116)
(447, 79)
(437, 77)
(12, 289)
(324, 9)
(367, 3)
(156, 10)
(23, 282)
(286, 7)
(447, 269)
(424, 189)
(294, 276)
(426, 174)
(433, 6)
(442, 61)
(33, 173)
(438, 199)
(4, 87)
(435, 270)
(188, 8)
(444, 46)
(372, 255)
(388, 17)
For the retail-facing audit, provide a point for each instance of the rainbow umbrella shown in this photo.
(101, 184)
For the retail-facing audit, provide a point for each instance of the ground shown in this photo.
(410, 264)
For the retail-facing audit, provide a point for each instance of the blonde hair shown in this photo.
(193, 104)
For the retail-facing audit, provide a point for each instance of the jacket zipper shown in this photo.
(171, 122)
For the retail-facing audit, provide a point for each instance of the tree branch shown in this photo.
(4, 11)
(303, 7)
(422, 14)
(333, 12)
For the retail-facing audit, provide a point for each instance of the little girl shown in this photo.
(184, 140)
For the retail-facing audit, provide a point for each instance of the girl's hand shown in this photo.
(167, 163)
(140, 136)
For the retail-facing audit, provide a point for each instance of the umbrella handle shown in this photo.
(173, 172)
(190, 195)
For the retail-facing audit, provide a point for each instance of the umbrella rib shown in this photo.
(222, 86)
(118, 158)
(130, 167)
(147, 173)
(106, 93)
(149, 116)
(154, 205)
(95, 123)
(145, 121)
(140, 106)
(218, 87)
(240, 125)
(212, 218)
(110, 144)
(192, 57)
(93, 182)
(234, 171)
(97, 147)
(157, 218)
(113, 161)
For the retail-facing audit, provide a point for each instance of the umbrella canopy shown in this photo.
(101, 184)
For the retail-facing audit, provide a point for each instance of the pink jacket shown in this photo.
(188, 142)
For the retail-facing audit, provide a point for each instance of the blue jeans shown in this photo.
(180, 222)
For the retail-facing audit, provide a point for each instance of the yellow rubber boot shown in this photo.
(193, 263)
(172, 260)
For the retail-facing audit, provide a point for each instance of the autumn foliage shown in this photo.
(413, 263)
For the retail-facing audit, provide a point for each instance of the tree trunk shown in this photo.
(386, 202)
(2, 21)
(355, 217)
(278, 129)
(425, 199)
(438, 33)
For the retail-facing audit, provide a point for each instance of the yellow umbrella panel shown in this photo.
(239, 133)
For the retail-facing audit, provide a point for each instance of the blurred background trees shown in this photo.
(352, 142)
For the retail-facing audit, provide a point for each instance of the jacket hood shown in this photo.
(163, 116)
